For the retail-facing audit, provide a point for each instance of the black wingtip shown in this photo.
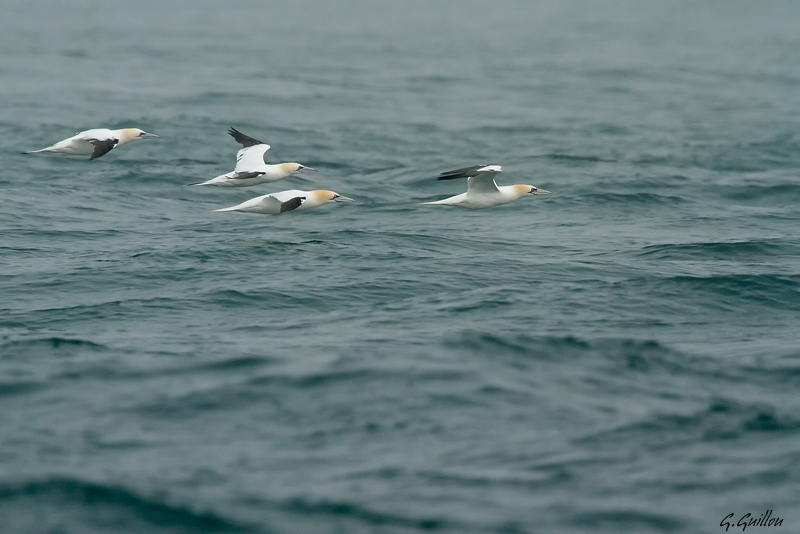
(292, 204)
(464, 172)
(102, 148)
(242, 139)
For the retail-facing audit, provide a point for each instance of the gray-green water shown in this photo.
(621, 356)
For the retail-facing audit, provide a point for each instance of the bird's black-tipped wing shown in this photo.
(466, 172)
(292, 204)
(244, 140)
(101, 147)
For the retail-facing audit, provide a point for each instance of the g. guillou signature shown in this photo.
(747, 520)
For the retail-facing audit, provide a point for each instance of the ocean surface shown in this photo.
(622, 355)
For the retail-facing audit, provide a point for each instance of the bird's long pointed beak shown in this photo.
(541, 192)
(340, 198)
(303, 168)
(146, 135)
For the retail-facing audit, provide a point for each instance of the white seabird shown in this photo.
(284, 201)
(95, 142)
(250, 166)
(482, 190)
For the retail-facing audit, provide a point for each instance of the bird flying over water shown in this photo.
(96, 142)
(482, 191)
(250, 166)
(285, 201)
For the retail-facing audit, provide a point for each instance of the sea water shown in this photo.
(618, 356)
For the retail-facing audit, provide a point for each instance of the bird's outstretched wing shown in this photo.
(244, 140)
(481, 177)
(250, 158)
(292, 204)
(482, 183)
(466, 172)
(101, 146)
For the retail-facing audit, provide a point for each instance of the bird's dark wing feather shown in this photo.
(292, 204)
(245, 175)
(102, 147)
(466, 172)
(244, 140)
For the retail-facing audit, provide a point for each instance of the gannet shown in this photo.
(250, 166)
(285, 201)
(95, 142)
(482, 191)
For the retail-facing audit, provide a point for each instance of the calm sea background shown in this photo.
(619, 356)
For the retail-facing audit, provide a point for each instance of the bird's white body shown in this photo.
(95, 142)
(250, 166)
(285, 201)
(482, 191)
(263, 174)
(479, 201)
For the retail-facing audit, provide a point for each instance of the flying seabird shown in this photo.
(250, 166)
(482, 190)
(290, 200)
(95, 142)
